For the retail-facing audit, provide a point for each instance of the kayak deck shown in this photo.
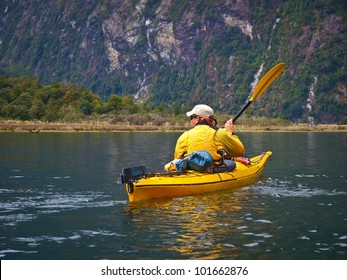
(192, 182)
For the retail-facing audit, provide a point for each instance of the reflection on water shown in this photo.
(201, 227)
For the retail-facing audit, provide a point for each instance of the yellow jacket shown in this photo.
(204, 137)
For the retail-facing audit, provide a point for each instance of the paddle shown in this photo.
(263, 84)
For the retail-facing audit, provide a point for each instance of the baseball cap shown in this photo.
(201, 110)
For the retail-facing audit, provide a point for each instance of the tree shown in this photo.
(114, 103)
(38, 108)
(51, 113)
(128, 105)
(21, 106)
(86, 107)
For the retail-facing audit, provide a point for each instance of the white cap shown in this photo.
(201, 110)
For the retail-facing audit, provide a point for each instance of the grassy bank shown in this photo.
(107, 125)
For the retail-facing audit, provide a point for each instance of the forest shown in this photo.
(24, 98)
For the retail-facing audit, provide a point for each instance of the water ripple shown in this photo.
(3, 253)
(37, 202)
(285, 188)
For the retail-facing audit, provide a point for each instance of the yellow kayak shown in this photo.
(141, 185)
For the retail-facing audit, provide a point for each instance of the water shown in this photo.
(59, 199)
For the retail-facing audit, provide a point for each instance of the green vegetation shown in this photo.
(24, 98)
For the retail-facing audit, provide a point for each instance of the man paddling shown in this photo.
(205, 146)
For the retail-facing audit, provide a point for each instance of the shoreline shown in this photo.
(100, 126)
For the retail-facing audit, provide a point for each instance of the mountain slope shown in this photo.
(181, 53)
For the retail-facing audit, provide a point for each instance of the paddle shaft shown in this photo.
(241, 111)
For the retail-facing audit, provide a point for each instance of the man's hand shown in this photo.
(229, 125)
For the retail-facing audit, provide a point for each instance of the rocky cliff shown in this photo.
(177, 53)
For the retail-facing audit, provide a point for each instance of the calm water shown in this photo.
(59, 199)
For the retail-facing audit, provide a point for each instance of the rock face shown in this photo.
(183, 52)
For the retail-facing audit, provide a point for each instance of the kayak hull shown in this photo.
(193, 182)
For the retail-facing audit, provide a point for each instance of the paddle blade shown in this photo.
(267, 80)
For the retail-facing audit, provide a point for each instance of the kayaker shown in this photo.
(205, 146)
